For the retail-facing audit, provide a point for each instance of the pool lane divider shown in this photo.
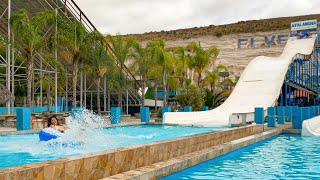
(115, 115)
(288, 113)
(259, 115)
(204, 108)
(164, 110)
(271, 116)
(297, 118)
(187, 109)
(281, 114)
(145, 114)
(312, 111)
(23, 119)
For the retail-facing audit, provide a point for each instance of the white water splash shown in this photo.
(83, 133)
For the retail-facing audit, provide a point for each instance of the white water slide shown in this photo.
(311, 127)
(259, 86)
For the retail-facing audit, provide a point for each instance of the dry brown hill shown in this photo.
(251, 26)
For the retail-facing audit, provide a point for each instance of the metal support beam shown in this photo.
(49, 93)
(3, 12)
(105, 94)
(81, 88)
(12, 73)
(127, 103)
(33, 91)
(67, 89)
(8, 55)
(109, 100)
(91, 103)
(85, 91)
(41, 96)
(56, 73)
(56, 91)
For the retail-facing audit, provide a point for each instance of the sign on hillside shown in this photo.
(310, 25)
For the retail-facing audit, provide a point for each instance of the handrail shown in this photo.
(82, 14)
(126, 70)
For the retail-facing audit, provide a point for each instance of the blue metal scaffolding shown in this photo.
(301, 85)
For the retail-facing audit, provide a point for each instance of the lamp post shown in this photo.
(224, 75)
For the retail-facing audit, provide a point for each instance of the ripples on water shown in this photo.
(23, 149)
(283, 157)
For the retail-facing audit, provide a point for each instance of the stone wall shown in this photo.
(111, 162)
(161, 169)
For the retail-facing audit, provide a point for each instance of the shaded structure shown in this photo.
(12, 69)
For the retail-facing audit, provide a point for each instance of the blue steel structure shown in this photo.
(301, 84)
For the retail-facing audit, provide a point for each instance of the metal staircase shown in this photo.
(302, 77)
(71, 10)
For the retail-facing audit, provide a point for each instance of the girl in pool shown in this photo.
(54, 123)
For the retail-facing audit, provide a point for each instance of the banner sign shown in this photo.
(279, 39)
(304, 25)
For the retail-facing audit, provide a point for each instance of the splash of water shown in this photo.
(83, 129)
(84, 132)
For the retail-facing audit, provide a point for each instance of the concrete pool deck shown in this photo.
(144, 161)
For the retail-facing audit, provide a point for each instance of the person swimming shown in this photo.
(54, 124)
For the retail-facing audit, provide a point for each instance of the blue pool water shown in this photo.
(24, 149)
(281, 157)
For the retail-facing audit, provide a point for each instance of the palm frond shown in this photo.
(67, 56)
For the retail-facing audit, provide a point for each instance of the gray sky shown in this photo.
(139, 16)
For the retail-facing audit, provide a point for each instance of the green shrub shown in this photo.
(191, 96)
(213, 100)
(154, 111)
(159, 113)
(149, 93)
(217, 34)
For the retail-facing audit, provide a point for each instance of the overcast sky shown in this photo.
(139, 16)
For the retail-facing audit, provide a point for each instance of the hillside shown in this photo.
(252, 26)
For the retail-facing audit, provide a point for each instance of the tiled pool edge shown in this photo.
(170, 166)
(111, 162)
(19, 132)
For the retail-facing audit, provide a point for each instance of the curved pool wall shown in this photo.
(17, 150)
(282, 157)
(126, 159)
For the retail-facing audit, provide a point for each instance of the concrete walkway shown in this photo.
(7, 129)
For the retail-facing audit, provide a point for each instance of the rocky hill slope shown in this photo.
(226, 37)
(252, 26)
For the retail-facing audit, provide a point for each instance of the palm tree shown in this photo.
(182, 63)
(75, 43)
(231, 83)
(155, 73)
(121, 50)
(164, 59)
(30, 38)
(213, 100)
(99, 64)
(142, 65)
(212, 77)
(201, 59)
(3, 44)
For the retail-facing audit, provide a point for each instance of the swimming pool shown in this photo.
(24, 149)
(280, 157)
